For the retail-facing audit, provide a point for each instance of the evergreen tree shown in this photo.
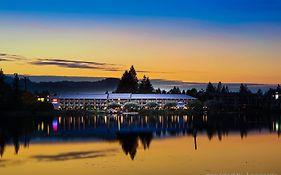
(133, 73)
(210, 88)
(134, 79)
(5, 93)
(123, 84)
(128, 82)
(148, 86)
(223, 90)
(259, 92)
(278, 89)
(158, 91)
(16, 92)
(16, 82)
(2, 78)
(219, 88)
(226, 89)
(2, 89)
(175, 90)
(142, 85)
(192, 92)
(244, 89)
(145, 85)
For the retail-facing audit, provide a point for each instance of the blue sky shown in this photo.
(207, 40)
(218, 11)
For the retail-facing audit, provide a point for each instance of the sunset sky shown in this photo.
(199, 41)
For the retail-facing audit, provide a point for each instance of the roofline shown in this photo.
(131, 95)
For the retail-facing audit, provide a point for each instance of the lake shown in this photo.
(141, 145)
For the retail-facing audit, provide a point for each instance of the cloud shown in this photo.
(10, 57)
(155, 72)
(5, 163)
(74, 155)
(76, 64)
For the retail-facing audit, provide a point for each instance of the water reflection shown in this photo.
(73, 155)
(129, 131)
(129, 142)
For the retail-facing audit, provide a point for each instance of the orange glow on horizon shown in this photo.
(172, 53)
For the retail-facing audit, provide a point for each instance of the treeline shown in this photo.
(220, 98)
(215, 98)
(129, 83)
(14, 98)
(212, 91)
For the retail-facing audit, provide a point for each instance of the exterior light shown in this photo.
(54, 101)
(40, 99)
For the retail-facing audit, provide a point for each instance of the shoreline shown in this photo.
(152, 112)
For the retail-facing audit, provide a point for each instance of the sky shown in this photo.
(194, 41)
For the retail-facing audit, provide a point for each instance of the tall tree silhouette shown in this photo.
(16, 92)
(134, 80)
(145, 86)
(5, 93)
(128, 82)
(219, 88)
(278, 89)
(175, 90)
(210, 88)
(2, 77)
(244, 90)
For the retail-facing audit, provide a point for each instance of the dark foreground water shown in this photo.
(141, 145)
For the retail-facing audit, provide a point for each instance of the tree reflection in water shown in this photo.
(129, 142)
(130, 131)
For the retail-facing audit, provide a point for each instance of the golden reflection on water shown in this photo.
(257, 153)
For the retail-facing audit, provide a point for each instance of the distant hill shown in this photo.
(101, 86)
(61, 84)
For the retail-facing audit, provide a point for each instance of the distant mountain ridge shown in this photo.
(61, 84)
(100, 86)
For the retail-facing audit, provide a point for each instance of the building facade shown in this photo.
(102, 101)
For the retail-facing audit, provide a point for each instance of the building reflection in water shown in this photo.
(129, 131)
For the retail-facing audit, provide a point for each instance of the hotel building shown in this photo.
(101, 101)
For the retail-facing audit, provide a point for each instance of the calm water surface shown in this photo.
(140, 145)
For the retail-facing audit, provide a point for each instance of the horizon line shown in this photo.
(153, 79)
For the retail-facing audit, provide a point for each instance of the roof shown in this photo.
(161, 96)
(82, 96)
(125, 96)
(119, 96)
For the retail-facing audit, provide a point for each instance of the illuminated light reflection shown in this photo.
(119, 124)
(42, 126)
(55, 125)
(146, 119)
(121, 119)
(185, 118)
(277, 126)
(160, 119)
(48, 129)
(105, 119)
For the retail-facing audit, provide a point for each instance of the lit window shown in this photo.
(40, 99)
(55, 101)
